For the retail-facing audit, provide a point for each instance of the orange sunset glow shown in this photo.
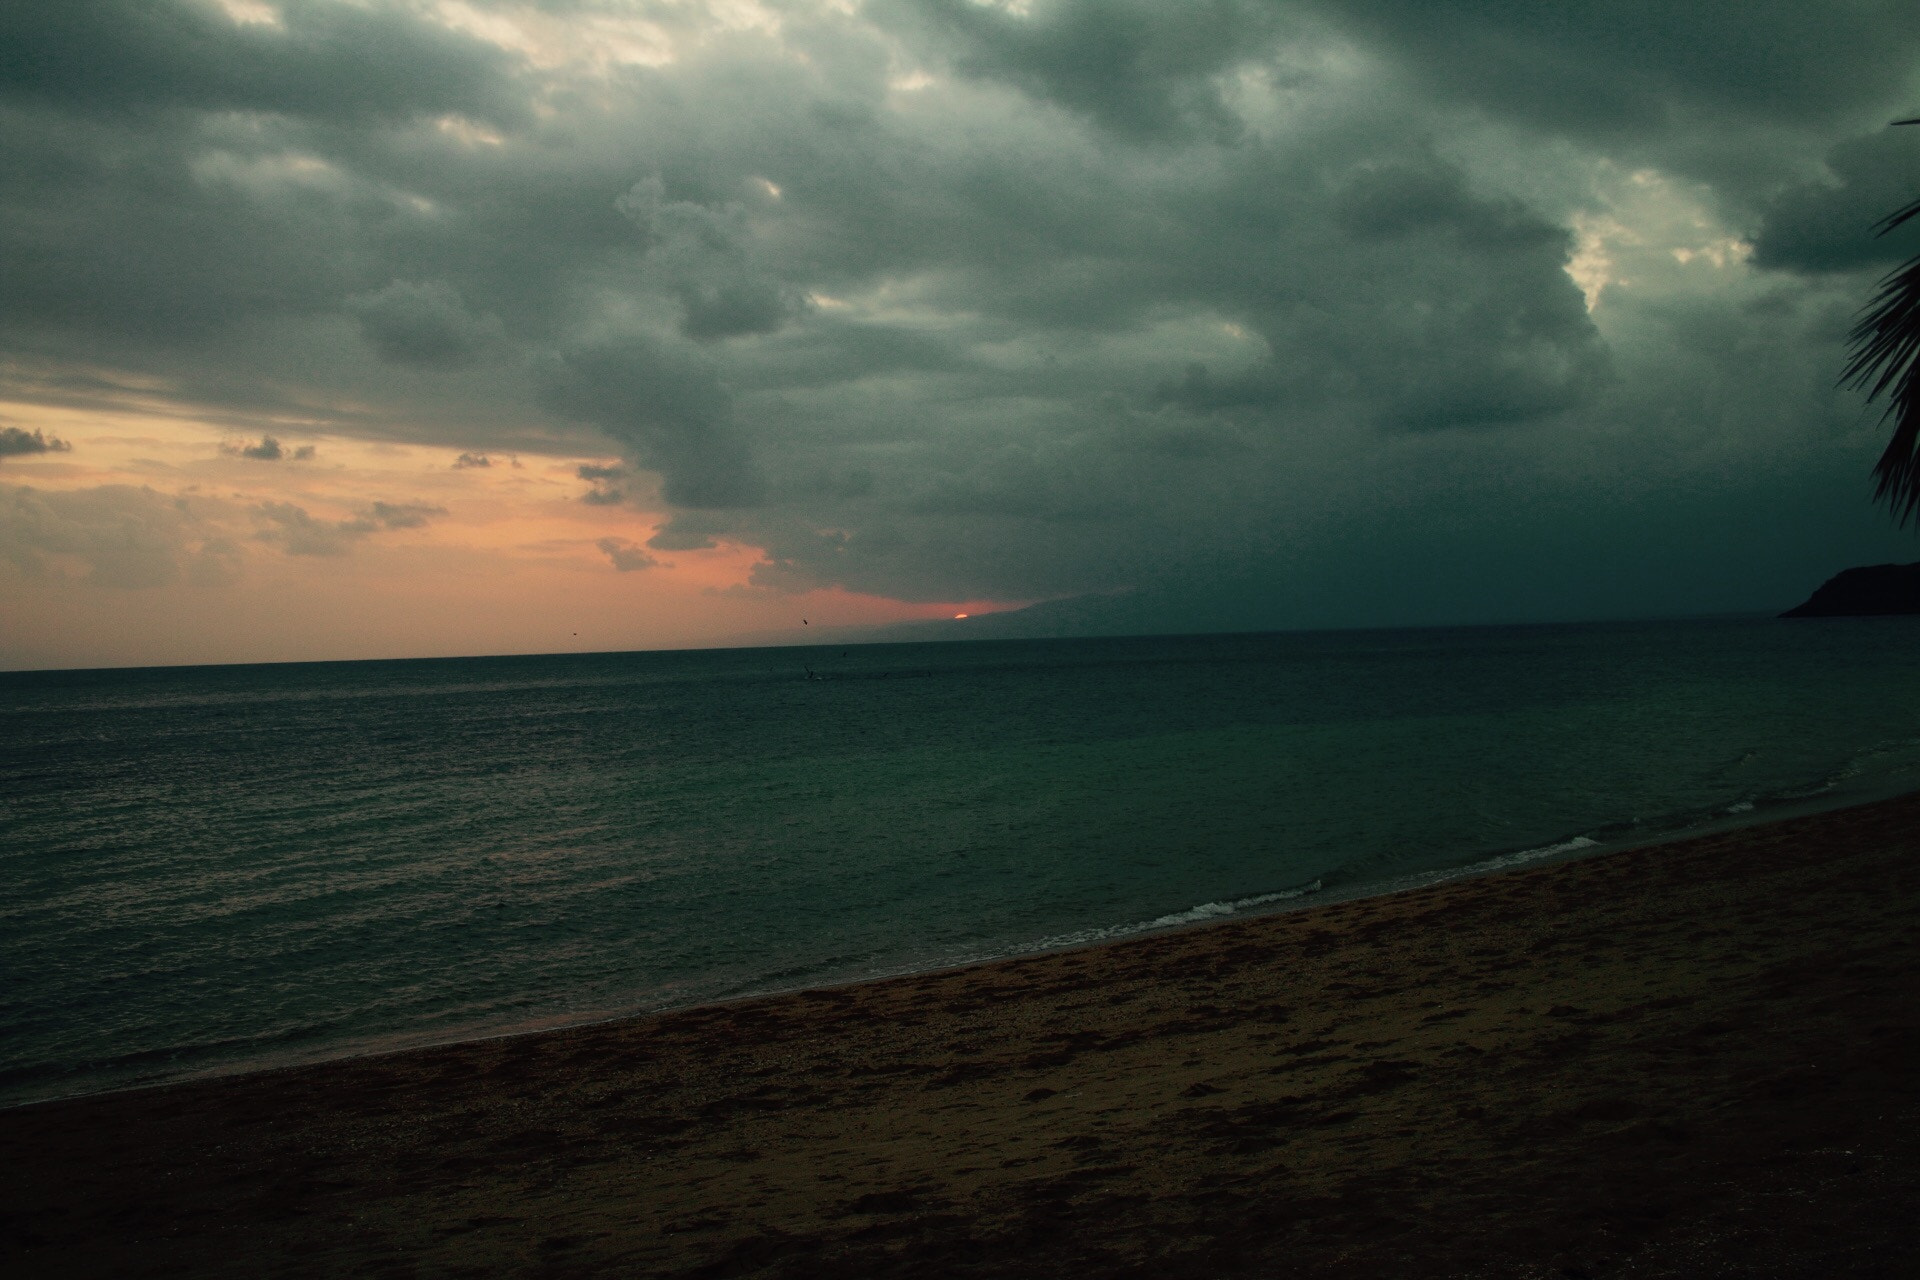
(290, 546)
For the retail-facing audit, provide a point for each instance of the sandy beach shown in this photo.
(1695, 1059)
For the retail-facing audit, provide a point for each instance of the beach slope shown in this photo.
(1695, 1059)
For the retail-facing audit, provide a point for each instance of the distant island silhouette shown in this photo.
(1867, 591)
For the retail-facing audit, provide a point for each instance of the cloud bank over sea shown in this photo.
(1338, 312)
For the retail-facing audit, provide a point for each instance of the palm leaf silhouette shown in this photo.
(1884, 359)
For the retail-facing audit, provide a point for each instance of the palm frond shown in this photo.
(1894, 219)
(1885, 357)
(1885, 360)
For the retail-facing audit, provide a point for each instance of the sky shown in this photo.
(389, 328)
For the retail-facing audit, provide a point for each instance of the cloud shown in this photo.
(121, 536)
(1146, 69)
(668, 405)
(299, 534)
(241, 191)
(605, 491)
(1497, 334)
(685, 533)
(625, 556)
(942, 300)
(404, 515)
(15, 443)
(1827, 225)
(424, 325)
(268, 450)
(709, 258)
(1682, 86)
(331, 61)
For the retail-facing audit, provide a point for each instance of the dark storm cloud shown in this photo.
(707, 257)
(16, 443)
(427, 325)
(274, 177)
(952, 300)
(318, 60)
(1472, 319)
(1143, 68)
(668, 405)
(1822, 225)
(1642, 71)
(685, 533)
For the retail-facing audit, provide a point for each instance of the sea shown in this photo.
(215, 869)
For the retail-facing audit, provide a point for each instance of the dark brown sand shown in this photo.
(1691, 1060)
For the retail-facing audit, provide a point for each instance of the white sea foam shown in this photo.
(1533, 855)
(1499, 862)
(1192, 915)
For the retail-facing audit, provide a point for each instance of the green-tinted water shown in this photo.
(215, 867)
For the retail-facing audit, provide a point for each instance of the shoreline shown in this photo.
(1688, 1053)
(1578, 847)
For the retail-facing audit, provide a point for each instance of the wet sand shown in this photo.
(1691, 1060)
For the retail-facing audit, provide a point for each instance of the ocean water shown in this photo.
(215, 868)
